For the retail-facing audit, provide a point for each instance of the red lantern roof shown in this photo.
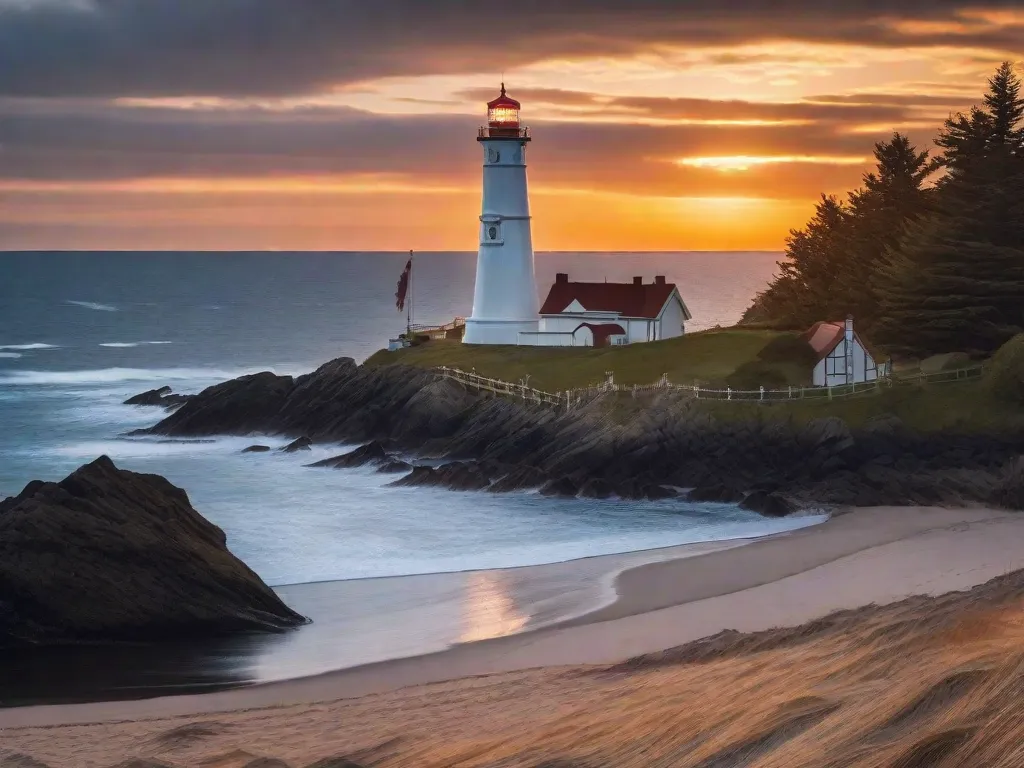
(503, 101)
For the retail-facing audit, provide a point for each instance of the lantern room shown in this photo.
(503, 112)
(503, 118)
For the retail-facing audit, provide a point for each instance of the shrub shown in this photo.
(788, 348)
(756, 373)
(1005, 375)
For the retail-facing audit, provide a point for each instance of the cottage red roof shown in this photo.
(824, 336)
(634, 299)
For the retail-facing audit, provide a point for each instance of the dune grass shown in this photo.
(709, 357)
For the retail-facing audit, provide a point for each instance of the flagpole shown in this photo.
(408, 308)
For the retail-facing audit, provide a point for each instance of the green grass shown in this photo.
(712, 357)
(964, 406)
(709, 357)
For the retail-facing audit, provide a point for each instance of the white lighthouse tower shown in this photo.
(505, 297)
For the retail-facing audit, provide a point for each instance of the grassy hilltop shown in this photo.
(742, 358)
(710, 357)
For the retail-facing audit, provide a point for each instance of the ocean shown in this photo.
(80, 332)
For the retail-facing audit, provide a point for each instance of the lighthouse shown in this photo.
(505, 297)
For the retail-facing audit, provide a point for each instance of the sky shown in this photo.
(351, 124)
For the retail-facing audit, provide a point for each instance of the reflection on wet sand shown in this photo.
(488, 608)
(354, 623)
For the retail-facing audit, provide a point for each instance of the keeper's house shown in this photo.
(608, 314)
(843, 357)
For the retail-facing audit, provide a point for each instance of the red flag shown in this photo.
(403, 286)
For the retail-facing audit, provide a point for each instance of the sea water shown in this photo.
(80, 332)
(384, 572)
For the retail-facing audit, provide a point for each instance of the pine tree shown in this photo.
(893, 196)
(957, 281)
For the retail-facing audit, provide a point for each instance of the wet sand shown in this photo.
(867, 556)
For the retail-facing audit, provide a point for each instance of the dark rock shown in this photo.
(394, 467)
(266, 762)
(519, 479)
(418, 476)
(654, 492)
(455, 476)
(256, 449)
(237, 407)
(371, 453)
(301, 444)
(462, 477)
(563, 487)
(149, 397)
(715, 494)
(596, 488)
(161, 396)
(767, 504)
(107, 554)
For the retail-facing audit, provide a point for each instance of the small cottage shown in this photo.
(842, 356)
(608, 314)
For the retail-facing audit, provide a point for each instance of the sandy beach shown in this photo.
(474, 704)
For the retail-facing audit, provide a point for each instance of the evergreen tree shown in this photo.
(957, 282)
(893, 196)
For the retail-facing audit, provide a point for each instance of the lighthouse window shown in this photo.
(492, 233)
(494, 156)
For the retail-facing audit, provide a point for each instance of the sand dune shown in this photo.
(926, 682)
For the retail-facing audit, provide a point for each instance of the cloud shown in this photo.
(248, 47)
(88, 143)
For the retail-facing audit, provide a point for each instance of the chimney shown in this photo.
(638, 281)
(849, 327)
(562, 277)
(659, 279)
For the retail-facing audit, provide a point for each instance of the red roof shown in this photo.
(824, 336)
(503, 101)
(627, 299)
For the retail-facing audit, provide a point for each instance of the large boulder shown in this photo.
(241, 406)
(108, 555)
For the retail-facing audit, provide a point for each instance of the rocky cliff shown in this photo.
(107, 554)
(670, 441)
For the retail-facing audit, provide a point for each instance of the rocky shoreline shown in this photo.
(494, 444)
(110, 555)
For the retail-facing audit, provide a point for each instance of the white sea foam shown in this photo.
(94, 305)
(127, 344)
(118, 375)
(27, 347)
(10, 355)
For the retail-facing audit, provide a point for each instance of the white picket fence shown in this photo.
(573, 397)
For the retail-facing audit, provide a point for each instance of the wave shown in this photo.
(24, 347)
(119, 375)
(10, 355)
(94, 305)
(127, 344)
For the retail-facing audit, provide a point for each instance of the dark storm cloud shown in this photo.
(824, 109)
(236, 47)
(86, 143)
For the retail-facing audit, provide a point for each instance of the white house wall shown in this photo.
(831, 371)
(550, 340)
(672, 319)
